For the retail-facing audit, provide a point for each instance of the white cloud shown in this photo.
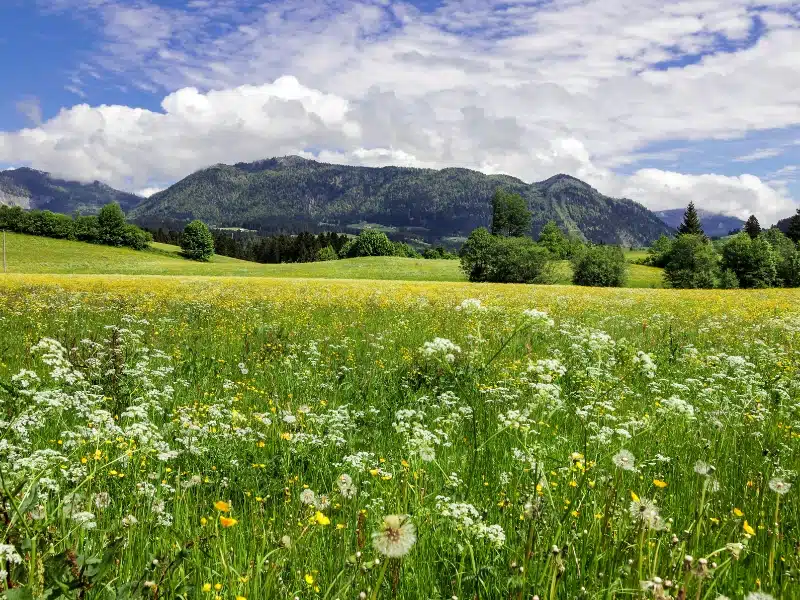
(759, 154)
(519, 87)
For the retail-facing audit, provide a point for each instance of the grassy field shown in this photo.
(235, 438)
(30, 254)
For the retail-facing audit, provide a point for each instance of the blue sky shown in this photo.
(663, 103)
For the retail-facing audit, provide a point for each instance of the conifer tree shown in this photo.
(793, 233)
(752, 227)
(691, 222)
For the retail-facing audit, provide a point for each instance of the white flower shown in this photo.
(779, 486)
(703, 468)
(9, 553)
(396, 536)
(646, 512)
(470, 305)
(441, 346)
(538, 317)
(346, 487)
(624, 460)
(759, 596)
(102, 500)
(85, 520)
(308, 497)
(129, 521)
(322, 502)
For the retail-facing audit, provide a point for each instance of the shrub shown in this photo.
(552, 238)
(658, 253)
(691, 262)
(136, 238)
(600, 266)
(728, 280)
(370, 242)
(327, 253)
(197, 242)
(404, 250)
(497, 259)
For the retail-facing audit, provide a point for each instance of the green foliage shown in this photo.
(439, 252)
(658, 253)
(691, 222)
(793, 230)
(500, 259)
(752, 227)
(405, 250)
(109, 231)
(552, 238)
(292, 193)
(111, 225)
(728, 280)
(369, 242)
(751, 260)
(327, 253)
(510, 214)
(197, 243)
(601, 266)
(787, 257)
(691, 263)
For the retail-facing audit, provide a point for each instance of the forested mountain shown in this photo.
(292, 192)
(714, 224)
(30, 188)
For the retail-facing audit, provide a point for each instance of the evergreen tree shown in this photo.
(691, 222)
(752, 227)
(197, 242)
(793, 233)
(510, 214)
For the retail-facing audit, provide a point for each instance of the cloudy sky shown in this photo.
(663, 102)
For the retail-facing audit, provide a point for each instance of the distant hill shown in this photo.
(30, 188)
(294, 192)
(714, 224)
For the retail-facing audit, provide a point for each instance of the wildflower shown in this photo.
(309, 579)
(307, 497)
(538, 317)
(737, 512)
(9, 553)
(396, 536)
(129, 521)
(748, 529)
(759, 596)
(102, 500)
(779, 486)
(646, 512)
(222, 506)
(470, 305)
(346, 487)
(206, 587)
(286, 542)
(320, 519)
(322, 502)
(227, 521)
(703, 468)
(624, 460)
(659, 484)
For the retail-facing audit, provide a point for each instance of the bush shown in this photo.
(197, 242)
(552, 238)
(438, 253)
(691, 262)
(404, 250)
(658, 253)
(327, 253)
(600, 266)
(370, 242)
(497, 259)
(728, 280)
(136, 238)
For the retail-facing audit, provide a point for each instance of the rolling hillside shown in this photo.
(31, 254)
(293, 192)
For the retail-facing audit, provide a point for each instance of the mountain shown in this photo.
(714, 224)
(295, 192)
(30, 188)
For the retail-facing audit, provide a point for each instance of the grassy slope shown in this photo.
(29, 254)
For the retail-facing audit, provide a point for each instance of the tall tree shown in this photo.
(793, 233)
(510, 214)
(752, 227)
(691, 222)
(111, 223)
(197, 242)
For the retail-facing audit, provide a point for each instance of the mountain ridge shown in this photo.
(433, 203)
(714, 224)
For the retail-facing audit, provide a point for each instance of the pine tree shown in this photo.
(691, 222)
(793, 233)
(752, 227)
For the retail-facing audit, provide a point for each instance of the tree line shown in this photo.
(199, 242)
(108, 227)
(752, 258)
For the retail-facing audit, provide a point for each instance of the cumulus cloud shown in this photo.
(529, 89)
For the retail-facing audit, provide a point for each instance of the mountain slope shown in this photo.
(30, 188)
(714, 224)
(295, 192)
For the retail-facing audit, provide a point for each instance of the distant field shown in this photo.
(30, 254)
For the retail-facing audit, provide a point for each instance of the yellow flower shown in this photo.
(320, 519)
(286, 436)
(206, 587)
(203, 521)
(737, 512)
(659, 484)
(634, 497)
(222, 506)
(218, 586)
(240, 598)
(227, 521)
(747, 529)
(309, 579)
